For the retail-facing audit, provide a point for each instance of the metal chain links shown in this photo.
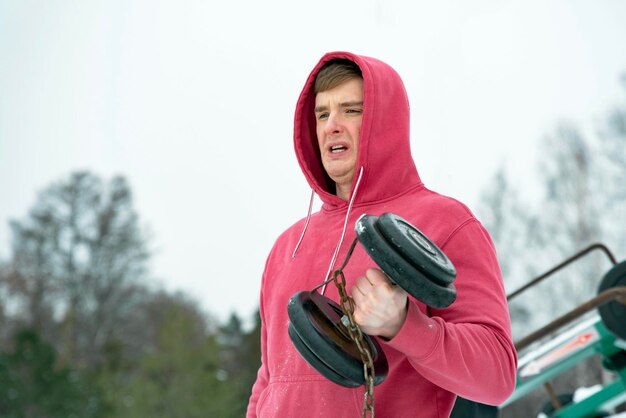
(347, 306)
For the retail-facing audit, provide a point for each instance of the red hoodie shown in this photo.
(465, 349)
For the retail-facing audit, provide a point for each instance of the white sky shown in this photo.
(193, 102)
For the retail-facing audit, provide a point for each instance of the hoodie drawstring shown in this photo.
(306, 223)
(345, 225)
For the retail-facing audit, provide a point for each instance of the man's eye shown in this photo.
(322, 116)
(354, 111)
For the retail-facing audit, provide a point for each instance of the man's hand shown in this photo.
(380, 306)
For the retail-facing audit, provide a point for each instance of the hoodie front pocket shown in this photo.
(307, 396)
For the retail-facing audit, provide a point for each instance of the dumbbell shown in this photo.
(410, 260)
(613, 314)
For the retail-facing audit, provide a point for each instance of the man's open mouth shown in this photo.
(338, 148)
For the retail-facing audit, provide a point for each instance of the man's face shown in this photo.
(339, 113)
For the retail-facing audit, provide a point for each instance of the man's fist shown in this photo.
(380, 306)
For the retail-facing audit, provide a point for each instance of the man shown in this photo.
(351, 139)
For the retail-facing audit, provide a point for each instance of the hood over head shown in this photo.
(384, 151)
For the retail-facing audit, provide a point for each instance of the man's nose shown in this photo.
(333, 125)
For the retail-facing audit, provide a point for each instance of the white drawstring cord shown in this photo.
(345, 225)
(306, 223)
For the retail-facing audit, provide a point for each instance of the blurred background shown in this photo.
(146, 167)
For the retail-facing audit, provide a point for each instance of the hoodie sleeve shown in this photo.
(466, 348)
(262, 378)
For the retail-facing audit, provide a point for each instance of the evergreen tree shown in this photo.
(181, 376)
(32, 385)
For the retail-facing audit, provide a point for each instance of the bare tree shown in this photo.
(508, 220)
(569, 217)
(77, 260)
(584, 201)
(612, 162)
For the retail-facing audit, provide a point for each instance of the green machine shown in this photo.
(597, 327)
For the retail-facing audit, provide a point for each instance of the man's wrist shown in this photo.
(397, 325)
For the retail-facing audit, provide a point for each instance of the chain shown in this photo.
(347, 306)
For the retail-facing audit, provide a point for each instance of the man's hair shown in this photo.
(336, 72)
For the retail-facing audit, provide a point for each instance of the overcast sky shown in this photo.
(192, 101)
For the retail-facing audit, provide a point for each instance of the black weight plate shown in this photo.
(316, 362)
(323, 348)
(613, 314)
(401, 272)
(323, 336)
(317, 322)
(416, 248)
